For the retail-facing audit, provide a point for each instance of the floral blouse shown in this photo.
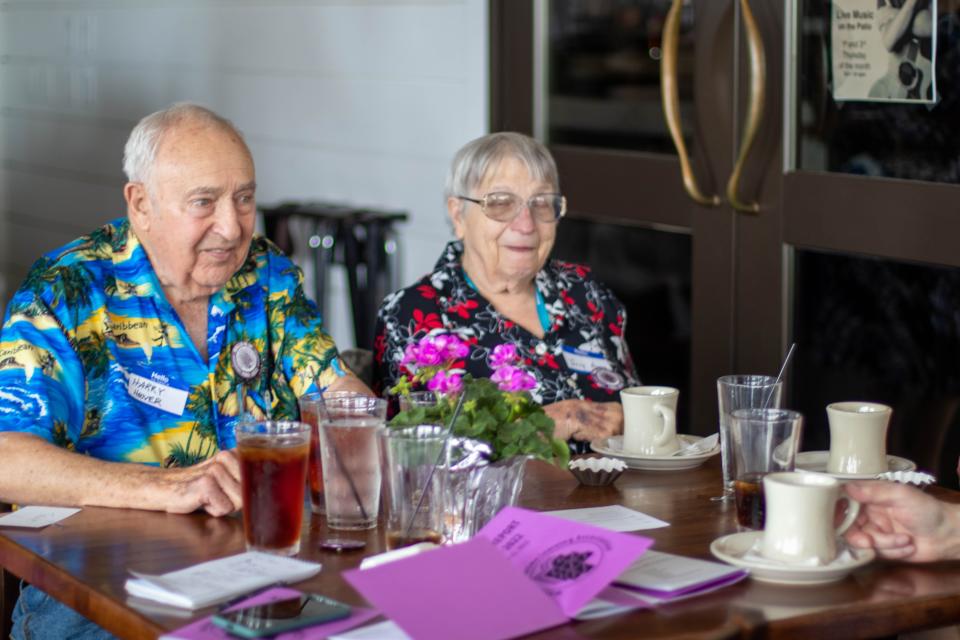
(581, 356)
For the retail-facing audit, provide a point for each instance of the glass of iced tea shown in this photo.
(764, 441)
(413, 489)
(350, 449)
(273, 471)
(310, 410)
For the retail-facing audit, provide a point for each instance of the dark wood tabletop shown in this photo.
(84, 561)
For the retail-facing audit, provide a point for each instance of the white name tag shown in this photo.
(157, 394)
(584, 361)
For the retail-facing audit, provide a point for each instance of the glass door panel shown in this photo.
(586, 76)
(906, 141)
(604, 74)
(649, 272)
(885, 331)
(868, 229)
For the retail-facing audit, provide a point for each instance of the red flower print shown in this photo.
(425, 322)
(379, 347)
(463, 309)
(426, 291)
(548, 360)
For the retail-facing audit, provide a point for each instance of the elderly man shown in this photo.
(122, 353)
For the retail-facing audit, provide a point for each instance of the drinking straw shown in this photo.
(443, 448)
(783, 367)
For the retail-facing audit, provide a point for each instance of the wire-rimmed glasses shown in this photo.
(503, 206)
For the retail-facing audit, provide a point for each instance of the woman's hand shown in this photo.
(585, 420)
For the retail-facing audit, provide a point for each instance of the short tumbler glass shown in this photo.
(764, 441)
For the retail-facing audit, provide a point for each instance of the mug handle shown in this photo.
(669, 424)
(853, 510)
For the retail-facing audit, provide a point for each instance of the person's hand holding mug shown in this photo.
(903, 523)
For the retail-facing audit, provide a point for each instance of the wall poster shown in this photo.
(884, 50)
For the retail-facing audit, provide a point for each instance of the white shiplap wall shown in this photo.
(361, 102)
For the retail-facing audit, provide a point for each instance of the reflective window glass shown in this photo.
(892, 140)
(604, 73)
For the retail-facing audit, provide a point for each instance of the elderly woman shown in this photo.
(495, 285)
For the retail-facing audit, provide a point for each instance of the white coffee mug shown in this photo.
(799, 517)
(858, 437)
(650, 420)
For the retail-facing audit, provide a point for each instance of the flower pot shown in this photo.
(476, 491)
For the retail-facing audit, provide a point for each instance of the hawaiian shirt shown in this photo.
(94, 358)
(582, 355)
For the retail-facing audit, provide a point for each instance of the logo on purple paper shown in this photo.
(568, 561)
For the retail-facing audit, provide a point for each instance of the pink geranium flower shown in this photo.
(503, 355)
(442, 382)
(510, 378)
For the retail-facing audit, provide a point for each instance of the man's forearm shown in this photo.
(37, 472)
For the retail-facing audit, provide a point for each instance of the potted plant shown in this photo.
(498, 418)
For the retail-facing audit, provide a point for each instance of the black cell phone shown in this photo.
(276, 617)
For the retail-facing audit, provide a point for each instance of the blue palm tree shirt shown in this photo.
(94, 359)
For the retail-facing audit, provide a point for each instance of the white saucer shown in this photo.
(731, 549)
(613, 446)
(817, 461)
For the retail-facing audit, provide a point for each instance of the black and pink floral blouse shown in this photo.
(581, 356)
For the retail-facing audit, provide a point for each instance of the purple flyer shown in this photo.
(570, 561)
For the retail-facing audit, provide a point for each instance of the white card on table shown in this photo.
(36, 517)
(218, 580)
(671, 574)
(614, 517)
(386, 630)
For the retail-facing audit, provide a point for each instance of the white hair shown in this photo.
(141, 149)
(475, 159)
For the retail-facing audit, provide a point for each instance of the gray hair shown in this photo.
(478, 157)
(141, 149)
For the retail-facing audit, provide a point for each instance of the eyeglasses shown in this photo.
(505, 207)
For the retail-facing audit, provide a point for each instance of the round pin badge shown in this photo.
(245, 360)
(607, 379)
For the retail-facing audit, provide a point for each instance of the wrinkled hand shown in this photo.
(213, 485)
(903, 523)
(585, 420)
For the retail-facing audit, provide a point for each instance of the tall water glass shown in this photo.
(273, 470)
(741, 392)
(311, 408)
(350, 453)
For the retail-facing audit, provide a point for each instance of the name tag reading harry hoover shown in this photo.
(157, 394)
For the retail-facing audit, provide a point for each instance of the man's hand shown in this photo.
(585, 420)
(213, 485)
(903, 523)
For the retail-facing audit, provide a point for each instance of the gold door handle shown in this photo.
(758, 90)
(670, 94)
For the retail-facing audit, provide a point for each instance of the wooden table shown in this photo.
(83, 561)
